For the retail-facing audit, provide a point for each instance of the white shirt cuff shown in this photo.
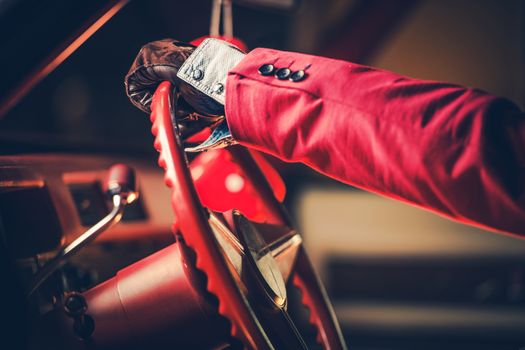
(207, 67)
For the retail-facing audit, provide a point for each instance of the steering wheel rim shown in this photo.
(192, 223)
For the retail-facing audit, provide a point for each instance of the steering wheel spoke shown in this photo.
(282, 242)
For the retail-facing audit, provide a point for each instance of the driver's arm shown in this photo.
(454, 150)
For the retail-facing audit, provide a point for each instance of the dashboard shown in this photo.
(47, 201)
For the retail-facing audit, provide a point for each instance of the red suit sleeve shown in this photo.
(454, 150)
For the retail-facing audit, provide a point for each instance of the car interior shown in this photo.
(104, 245)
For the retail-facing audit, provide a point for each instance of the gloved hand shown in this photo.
(159, 61)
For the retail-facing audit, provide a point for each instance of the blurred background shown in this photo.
(399, 277)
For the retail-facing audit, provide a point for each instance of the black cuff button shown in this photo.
(266, 69)
(297, 76)
(283, 73)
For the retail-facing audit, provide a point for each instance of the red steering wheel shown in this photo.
(249, 294)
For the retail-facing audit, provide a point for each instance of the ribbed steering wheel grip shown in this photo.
(160, 61)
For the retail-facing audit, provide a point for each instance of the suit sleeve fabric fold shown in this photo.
(457, 151)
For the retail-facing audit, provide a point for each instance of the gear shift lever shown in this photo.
(121, 187)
